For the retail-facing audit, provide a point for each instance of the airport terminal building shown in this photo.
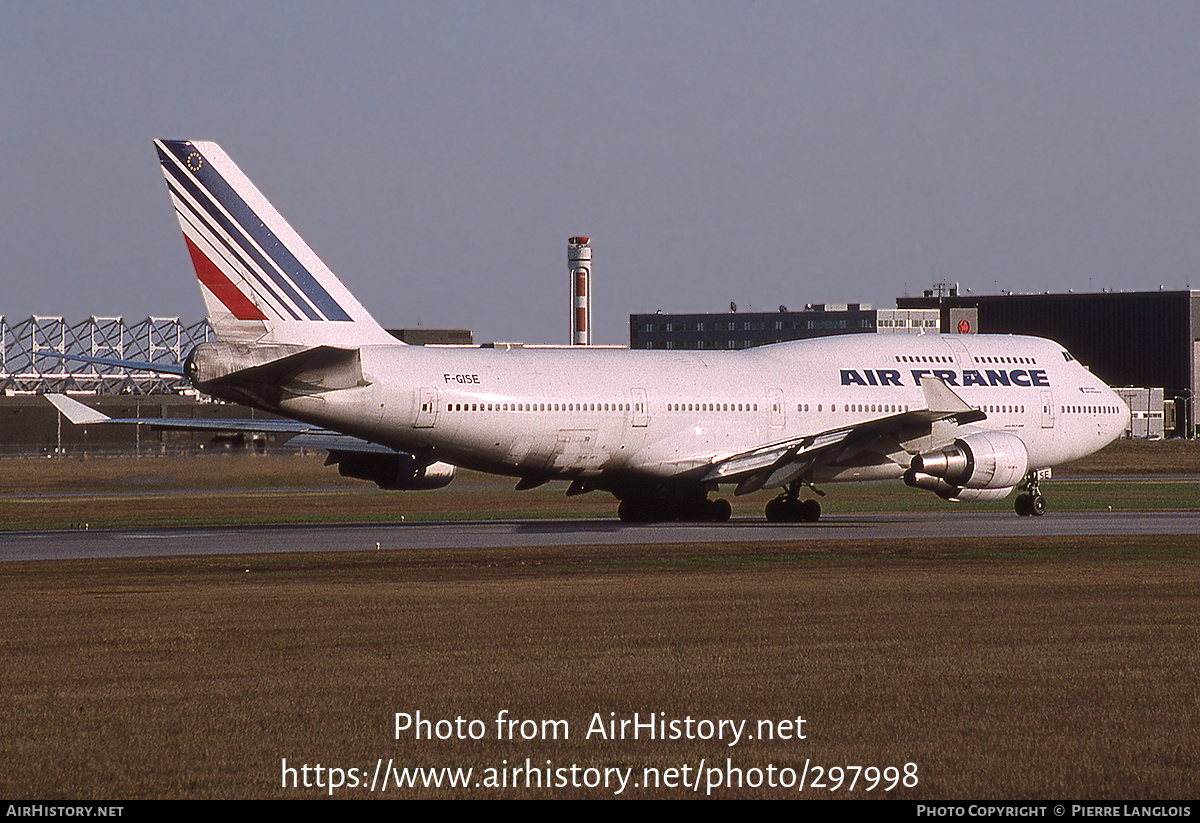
(1126, 338)
(746, 329)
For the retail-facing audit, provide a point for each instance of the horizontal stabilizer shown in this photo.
(325, 367)
(261, 375)
(81, 414)
(305, 435)
(128, 365)
(78, 413)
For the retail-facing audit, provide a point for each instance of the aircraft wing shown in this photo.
(340, 443)
(777, 464)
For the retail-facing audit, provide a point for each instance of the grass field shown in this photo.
(1051, 669)
(41, 493)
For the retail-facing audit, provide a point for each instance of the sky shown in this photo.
(437, 155)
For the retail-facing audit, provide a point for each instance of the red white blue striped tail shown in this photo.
(261, 282)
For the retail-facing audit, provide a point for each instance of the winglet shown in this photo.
(78, 413)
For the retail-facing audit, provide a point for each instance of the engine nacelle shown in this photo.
(980, 495)
(985, 460)
(394, 472)
(955, 494)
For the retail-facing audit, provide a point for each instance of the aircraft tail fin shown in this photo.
(261, 282)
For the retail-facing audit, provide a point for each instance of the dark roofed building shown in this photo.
(1126, 338)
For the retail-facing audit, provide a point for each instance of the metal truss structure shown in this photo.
(27, 364)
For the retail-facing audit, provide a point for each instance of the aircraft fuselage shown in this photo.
(579, 412)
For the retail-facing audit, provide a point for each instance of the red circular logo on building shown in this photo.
(964, 326)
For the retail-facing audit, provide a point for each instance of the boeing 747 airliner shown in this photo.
(965, 417)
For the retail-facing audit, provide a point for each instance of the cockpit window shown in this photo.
(1067, 356)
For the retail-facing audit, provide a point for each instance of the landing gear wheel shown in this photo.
(657, 510)
(782, 510)
(776, 510)
(1030, 503)
(809, 511)
(719, 511)
(633, 511)
(625, 511)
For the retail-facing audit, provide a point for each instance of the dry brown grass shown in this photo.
(246, 488)
(40, 493)
(1041, 670)
(1124, 457)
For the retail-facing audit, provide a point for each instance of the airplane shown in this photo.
(967, 417)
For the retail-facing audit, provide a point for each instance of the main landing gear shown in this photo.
(688, 510)
(789, 508)
(1030, 503)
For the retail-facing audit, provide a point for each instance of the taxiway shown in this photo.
(117, 543)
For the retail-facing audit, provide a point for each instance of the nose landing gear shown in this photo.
(1030, 503)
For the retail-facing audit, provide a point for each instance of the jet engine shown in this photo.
(982, 466)
(393, 472)
(955, 494)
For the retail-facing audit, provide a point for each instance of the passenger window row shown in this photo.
(712, 407)
(538, 407)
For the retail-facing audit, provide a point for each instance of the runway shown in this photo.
(125, 543)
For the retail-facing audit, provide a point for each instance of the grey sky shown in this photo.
(437, 155)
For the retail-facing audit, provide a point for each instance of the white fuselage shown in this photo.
(583, 412)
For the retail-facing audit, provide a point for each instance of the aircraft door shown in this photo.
(1047, 410)
(640, 414)
(775, 402)
(426, 407)
(959, 351)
